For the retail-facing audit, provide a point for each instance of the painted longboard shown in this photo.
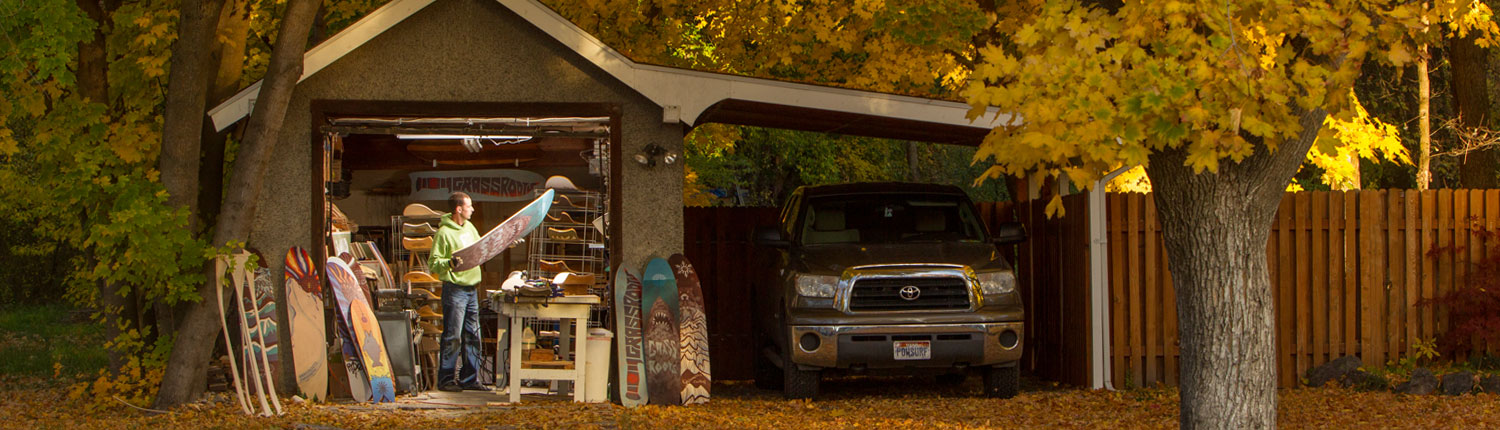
(304, 296)
(506, 234)
(354, 370)
(354, 375)
(222, 277)
(365, 330)
(663, 355)
(267, 331)
(692, 332)
(630, 345)
(253, 345)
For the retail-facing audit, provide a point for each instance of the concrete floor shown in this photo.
(468, 399)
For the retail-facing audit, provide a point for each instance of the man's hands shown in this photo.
(457, 261)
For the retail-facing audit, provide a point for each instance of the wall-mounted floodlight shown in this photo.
(647, 156)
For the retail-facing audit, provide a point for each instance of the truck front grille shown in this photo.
(884, 294)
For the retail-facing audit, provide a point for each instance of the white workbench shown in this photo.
(575, 308)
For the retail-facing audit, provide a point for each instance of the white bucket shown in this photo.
(596, 370)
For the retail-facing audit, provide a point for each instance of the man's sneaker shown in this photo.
(476, 387)
(450, 387)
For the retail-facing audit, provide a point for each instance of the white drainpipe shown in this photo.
(1099, 283)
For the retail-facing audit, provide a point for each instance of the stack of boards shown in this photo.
(663, 339)
(364, 356)
(253, 307)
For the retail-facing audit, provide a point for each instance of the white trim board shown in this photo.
(682, 94)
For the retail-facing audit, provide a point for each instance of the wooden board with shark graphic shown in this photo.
(663, 353)
(304, 296)
(692, 332)
(630, 344)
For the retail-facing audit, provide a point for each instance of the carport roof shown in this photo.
(686, 96)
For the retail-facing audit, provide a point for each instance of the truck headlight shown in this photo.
(992, 283)
(816, 285)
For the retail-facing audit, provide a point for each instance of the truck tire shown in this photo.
(798, 383)
(1002, 382)
(767, 375)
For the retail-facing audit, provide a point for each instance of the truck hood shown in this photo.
(833, 259)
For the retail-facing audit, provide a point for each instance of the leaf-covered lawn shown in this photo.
(858, 403)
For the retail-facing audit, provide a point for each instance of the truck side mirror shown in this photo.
(770, 236)
(1010, 233)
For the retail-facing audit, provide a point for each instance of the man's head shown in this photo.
(463, 207)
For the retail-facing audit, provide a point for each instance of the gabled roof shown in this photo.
(686, 96)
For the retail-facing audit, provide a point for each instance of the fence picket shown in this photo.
(1302, 290)
(1117, 273)
(1371, 346)
(1153, 298)
(1319, 287)
(1352, 256)
(1429, 269)
(1411, 259)
(1137, 355)
(1395, 279)
(1335, 273)
(1285, 290)
(1444, 252)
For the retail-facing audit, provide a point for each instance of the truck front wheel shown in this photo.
(797, 383)
(1002, 382)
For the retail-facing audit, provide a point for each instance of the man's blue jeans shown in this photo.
(460, 322)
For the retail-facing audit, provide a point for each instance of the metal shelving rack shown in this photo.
(568, 236)
(400, 257)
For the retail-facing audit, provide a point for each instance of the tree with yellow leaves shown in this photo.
(1221, 102)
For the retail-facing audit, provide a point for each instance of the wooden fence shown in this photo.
(1347, 269)
(718, 242)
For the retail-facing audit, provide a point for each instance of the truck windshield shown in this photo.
(894, 218)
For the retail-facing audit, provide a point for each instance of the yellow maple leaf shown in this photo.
(1399, 55)
(1055, 207)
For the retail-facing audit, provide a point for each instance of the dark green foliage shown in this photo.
(35, 339)
(33, 270)
(1474, 307)
(763, 165)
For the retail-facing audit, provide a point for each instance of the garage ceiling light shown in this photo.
(461, 136)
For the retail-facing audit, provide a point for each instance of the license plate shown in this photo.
(913, 350)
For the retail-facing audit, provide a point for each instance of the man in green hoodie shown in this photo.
(460, 297)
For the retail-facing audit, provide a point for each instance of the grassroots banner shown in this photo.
(492, 185)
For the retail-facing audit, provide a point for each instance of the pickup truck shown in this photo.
(886, 278)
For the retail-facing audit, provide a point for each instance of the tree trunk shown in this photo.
(93, 84)
(187, 365)
(1471, 100)
(1215, 226)
(229, 51)
(187, 95)
(1424, 122)
(93, 67)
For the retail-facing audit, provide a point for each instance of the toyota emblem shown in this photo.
(910, 292)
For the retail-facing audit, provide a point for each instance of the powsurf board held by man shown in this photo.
(504, 235)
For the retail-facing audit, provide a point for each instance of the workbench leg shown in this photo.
(580, 336)
(515, 361)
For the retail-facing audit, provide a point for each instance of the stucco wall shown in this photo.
(474, 51)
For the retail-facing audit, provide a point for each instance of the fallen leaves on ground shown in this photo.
(885, 403)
